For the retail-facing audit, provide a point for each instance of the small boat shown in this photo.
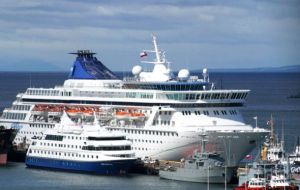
(88, 112)
(295, 171)
(74, 112)
(137, 116)
(295, 156)
(201, 167)
(279, 182)
(254, 184)
(122, 115)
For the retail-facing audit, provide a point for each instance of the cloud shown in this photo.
(45, 30)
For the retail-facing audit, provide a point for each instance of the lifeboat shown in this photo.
(137, 116)
(73, 112)
(38, 109)
(122, 115)
(87, 112)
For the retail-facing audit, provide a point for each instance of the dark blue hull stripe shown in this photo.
(98, 167)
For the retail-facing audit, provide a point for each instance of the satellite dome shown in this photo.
(183, 74)
(205, 71)
(136, 70)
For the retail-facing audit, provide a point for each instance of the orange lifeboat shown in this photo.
(73, 112)
(122, 114)
(137, 116)
(87, 112)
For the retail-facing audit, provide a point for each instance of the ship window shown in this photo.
(107, 138)
(54, 137)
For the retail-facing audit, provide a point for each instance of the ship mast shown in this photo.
(159, 55)
(157, 52)
(272, 131)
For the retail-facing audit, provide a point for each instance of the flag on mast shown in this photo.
(143, 54)
(249, 157)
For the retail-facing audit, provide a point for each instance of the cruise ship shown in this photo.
(163, 114)
(81, 148)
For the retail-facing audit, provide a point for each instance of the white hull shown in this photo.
(232, 146)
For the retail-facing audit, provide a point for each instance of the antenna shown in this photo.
(30, 79)
(160, 56)
(282, 135)
(203, 140)
(272, 130)
(83, 53)
(157, 53)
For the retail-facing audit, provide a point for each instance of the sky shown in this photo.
(37, 35)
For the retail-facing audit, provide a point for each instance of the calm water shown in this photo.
(269, 95)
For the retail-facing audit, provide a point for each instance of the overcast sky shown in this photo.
(38, 34)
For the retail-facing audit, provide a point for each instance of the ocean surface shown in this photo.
(270, 95)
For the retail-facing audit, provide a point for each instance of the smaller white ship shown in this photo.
(202, 167)
(88, 148)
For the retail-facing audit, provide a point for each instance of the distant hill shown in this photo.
(290, 68)
(29, 65)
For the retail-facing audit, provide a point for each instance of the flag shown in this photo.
(268, 122)
(143, 54)
(249, 157)
(255, 117)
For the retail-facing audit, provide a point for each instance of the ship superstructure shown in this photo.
(162, 114)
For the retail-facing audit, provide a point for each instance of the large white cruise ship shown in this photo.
(162, 114)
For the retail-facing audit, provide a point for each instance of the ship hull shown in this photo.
(6, 138)
(215, 175)
(97, 167)
(233, 146)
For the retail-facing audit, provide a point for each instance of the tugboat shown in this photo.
(254, 184)
(88, 148)
(294, 159)
(6, 138)
(279, 182)
(202, 167)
